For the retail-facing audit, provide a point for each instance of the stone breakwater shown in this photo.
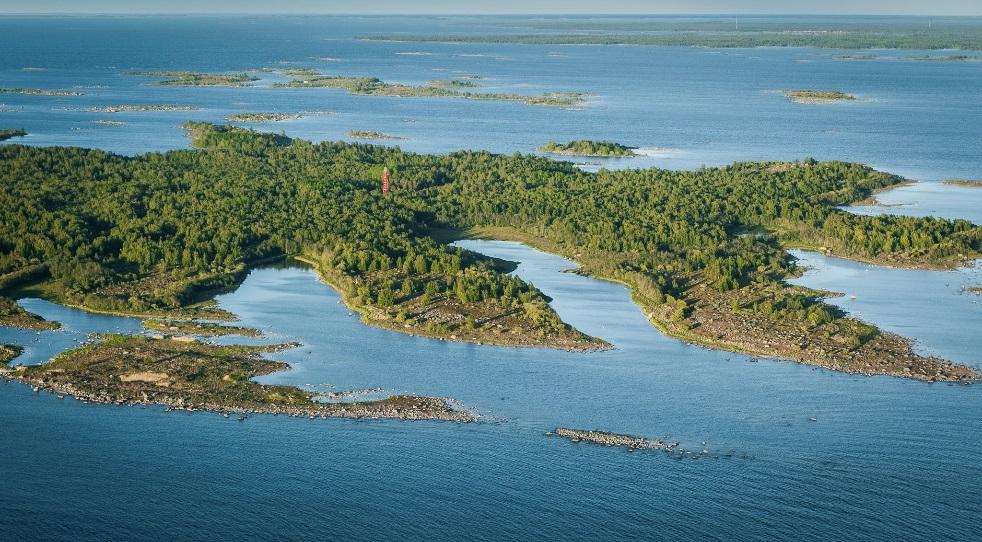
(605, 438)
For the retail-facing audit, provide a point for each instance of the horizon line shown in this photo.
(485, 14)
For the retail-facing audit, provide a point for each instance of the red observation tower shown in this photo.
(385, 180)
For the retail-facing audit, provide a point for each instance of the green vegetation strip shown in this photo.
(39, 92)
(704, 252)
(371, 86)
(8, 352)
(183, 374)
(13, 315)
(197, 328)
(197, 79)
(723, 35)
(8, 133)
(583, 147)
(363, 134)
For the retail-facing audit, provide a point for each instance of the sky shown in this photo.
(559, 7)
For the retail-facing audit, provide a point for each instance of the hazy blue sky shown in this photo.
(914, 7)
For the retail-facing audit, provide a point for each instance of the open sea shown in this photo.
(794, 452)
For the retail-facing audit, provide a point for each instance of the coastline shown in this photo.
(186, 375)
(895, 348)
(592, 345)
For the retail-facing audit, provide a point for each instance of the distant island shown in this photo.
(704, 252)
(40, 92)
(372, 86)
(818, 96)
(720, 34)
(584, 147)
(197, 79)
(8, 133)
(454, 83)
(948, 58)
(137, 108)
(962, 182)
(364, 134)
(263, 117)
(189, 375)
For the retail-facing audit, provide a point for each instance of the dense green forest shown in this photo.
(698, 247)
(8, 133)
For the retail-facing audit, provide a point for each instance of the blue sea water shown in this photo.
(885, 458)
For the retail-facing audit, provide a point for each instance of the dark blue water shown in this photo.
(886, 459)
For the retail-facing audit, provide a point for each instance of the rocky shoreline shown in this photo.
(397, 407)
(192, 376)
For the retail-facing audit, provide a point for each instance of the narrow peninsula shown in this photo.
(10, 133)
(190, 375)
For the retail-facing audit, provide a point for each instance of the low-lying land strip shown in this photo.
(134, 108)
(263, 117)
(371, 86)
(13, 315)
(963, 182)
(454, 83)
(197, 79)
(584, 147)
(719, 34)
(8, 133)
(40, 92)
(948, 58)
(818, 96)
(367, 134)
(9, 352)
(198, 328)
(603, 438)
(191, 375)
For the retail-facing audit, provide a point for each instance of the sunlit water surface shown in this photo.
(884, 458)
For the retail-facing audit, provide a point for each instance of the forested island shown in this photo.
(704, 252)
(9, 133)
(373, 86)
(370, 134)
(963, 182)
(818, 96)
(190, 375)
(583, 147)
(197, 79)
